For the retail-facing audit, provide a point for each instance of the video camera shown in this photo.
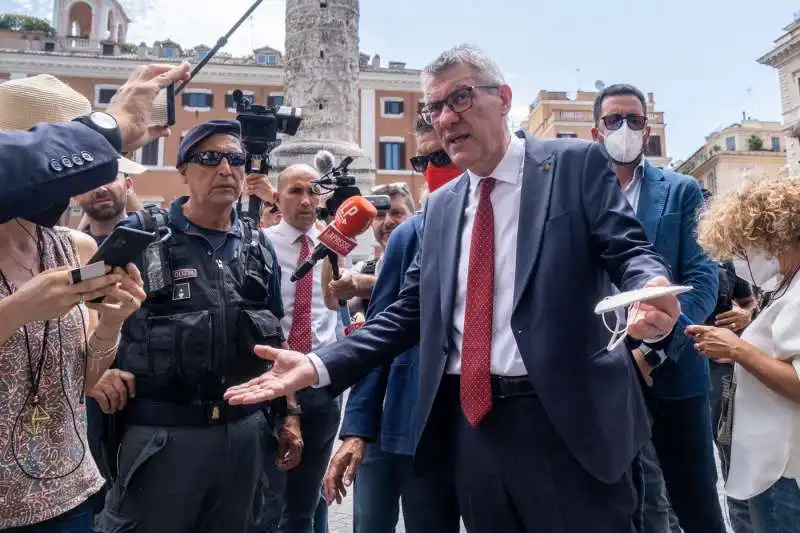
(343, 185)
(260, 127)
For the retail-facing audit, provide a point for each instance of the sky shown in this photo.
(697, 56)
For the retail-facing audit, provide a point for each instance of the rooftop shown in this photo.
(167, 50)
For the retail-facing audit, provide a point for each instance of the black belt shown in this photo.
(512, 387)
(212, 413)
(503, 387)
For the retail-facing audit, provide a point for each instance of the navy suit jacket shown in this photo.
(384, 401)
(577, 230)
(669, 204)
(30, 182)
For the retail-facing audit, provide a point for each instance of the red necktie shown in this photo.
(300, 334)
(476, 351)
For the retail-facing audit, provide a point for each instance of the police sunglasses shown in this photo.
(212, 159)
(614, 122)
(439, 158)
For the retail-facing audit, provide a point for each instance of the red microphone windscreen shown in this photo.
(335, 240)
(354, 216)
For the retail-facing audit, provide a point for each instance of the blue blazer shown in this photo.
(577, 230)
(32, 175)
(383, 402)
(669, 204)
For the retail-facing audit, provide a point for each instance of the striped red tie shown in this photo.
(476, 352)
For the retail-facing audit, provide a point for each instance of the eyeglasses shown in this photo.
(614, 122)
(458, 101)
(439, 158)
(212, 159)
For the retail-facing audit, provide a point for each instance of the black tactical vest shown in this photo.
(194, 335)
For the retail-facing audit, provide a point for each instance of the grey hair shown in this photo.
(393, 190)
(486, 70)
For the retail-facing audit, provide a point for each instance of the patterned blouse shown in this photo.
(46, 468)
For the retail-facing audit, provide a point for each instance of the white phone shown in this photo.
(624, 299)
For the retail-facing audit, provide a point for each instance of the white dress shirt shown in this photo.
(506, 359)
(287, 247)
(765, 443)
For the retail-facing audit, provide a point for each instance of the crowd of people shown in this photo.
(200, 389)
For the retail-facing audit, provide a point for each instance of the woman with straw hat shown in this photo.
(54, 343)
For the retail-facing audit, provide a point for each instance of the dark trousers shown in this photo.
(186, 479)
(290, 499)
(515, 474)
(739, 511)
(385, 479)
(777, 509)
(683, 441)
(77, 520)
(657, 513)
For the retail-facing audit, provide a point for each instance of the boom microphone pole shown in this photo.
(220, 43)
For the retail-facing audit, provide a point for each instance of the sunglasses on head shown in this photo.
(614, 122)
(439, 158)
(212, 159)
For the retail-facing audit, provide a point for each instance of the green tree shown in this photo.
(128, 48)
(755, 143)
(12, 22)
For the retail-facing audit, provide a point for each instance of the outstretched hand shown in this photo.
(291, 371)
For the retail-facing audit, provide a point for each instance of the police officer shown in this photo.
(187, 462)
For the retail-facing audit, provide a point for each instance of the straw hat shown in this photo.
(26, 102)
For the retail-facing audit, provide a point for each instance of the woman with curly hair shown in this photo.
(759, 228)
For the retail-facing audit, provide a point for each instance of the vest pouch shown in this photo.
(258, 272)
(181, 345)
(258, 326)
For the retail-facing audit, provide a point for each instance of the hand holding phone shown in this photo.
(123, 246)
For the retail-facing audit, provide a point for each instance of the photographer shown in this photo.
(43, 168)
(53, 345)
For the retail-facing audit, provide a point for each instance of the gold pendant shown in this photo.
(39, 417)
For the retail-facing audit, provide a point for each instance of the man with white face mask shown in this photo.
(677, 380)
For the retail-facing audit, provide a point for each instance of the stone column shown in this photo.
(321, 77)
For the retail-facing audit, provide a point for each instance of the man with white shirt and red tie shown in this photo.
(518, 387)
(308, 324)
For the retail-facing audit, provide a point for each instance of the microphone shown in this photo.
(352, 218)
(324, 162)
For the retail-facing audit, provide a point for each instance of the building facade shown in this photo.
(785, 57)
(745, 151)
(91, 56)
(554, 114)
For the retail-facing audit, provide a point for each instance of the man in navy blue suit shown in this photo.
(520, 391)
(377, 432)
(35, 180)
(677, 379)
